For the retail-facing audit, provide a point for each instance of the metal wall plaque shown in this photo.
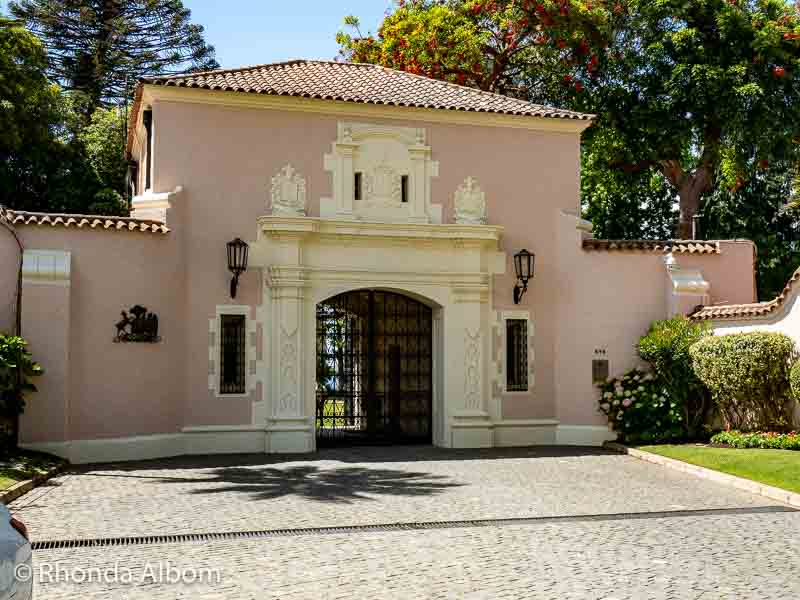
(138, 325)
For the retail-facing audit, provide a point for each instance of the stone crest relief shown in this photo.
(470, 203)
(289, 193)
(383, 185)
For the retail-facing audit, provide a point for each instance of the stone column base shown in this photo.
(471, 430)
(290, 435)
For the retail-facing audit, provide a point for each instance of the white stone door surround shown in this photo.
(448, 267)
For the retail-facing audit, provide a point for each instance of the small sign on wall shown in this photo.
(600, 368)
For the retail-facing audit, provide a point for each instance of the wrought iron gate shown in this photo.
(374, 369)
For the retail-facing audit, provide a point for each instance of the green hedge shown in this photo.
(748, 375)
(666, 348)
(794, 380)
(774, 441)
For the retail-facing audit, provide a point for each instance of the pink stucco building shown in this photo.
(382, 212)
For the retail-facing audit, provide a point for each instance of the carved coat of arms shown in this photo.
(289, 193)
(470, 203)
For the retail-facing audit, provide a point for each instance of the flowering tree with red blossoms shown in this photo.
(489, 44)
(705, 93)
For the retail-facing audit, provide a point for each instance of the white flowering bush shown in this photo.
(639, 409)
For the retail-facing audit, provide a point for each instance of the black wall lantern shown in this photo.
(237, 261)
(523, 266)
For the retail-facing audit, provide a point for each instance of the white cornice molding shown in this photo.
(155, 200)
(304, 226)
(52, 267)
(339, 108)
(154, 206)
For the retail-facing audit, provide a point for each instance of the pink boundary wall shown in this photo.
(95, 389)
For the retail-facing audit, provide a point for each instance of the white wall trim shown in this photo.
(583, 435)
(114, 449)
(222, 428)
(253, 439)
(525, 432)
(151, 93)
(232, 439)
(214, 328)
(521, 315)
(49, 267)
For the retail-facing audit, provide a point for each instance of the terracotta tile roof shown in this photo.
(19, 217)
(655, 246)
(355, 82)
(756, 310)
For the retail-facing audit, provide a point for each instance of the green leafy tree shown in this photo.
(758, 211)
(505, 46)
(99, 48)
(703, 91)
(707, 91)
(17, 368)
(38, 169)
(29, 103)
(103, 141)
(626, 203)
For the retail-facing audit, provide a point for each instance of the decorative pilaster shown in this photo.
(340, 163)
(467, 389)
(290, 428)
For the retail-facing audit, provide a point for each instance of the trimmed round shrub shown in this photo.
(666, 349)
(748, 375)
(794, 380)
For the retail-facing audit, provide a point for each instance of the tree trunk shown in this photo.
(690, 188)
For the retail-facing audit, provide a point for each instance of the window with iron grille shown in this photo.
(232, 354)
(516, 355)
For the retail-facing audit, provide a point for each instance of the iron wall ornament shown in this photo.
(524, 267)
(237, 261)
(138, 325)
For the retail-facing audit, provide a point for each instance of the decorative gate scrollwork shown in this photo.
(374, 369)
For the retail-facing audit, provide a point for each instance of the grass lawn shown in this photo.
(24, 465)
(779, 468)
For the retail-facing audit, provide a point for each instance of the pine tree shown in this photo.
(99, 48)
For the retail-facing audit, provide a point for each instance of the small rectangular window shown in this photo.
(404, 188)
(516, 355)
(232, 354)
(147, 120)
(357, 187)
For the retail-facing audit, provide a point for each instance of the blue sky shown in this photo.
(259, 31)
(247, 32)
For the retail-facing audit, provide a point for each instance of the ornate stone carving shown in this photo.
(288, 193)
(383, 185)
(472, 369)
(470, 203)
(288, 369)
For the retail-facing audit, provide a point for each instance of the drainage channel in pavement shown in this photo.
(309, 531)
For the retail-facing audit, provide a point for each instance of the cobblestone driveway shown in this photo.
(701, 548)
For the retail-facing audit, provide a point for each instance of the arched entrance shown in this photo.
(374, 380)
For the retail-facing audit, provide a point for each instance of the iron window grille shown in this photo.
(516, 355)
(232, 378)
